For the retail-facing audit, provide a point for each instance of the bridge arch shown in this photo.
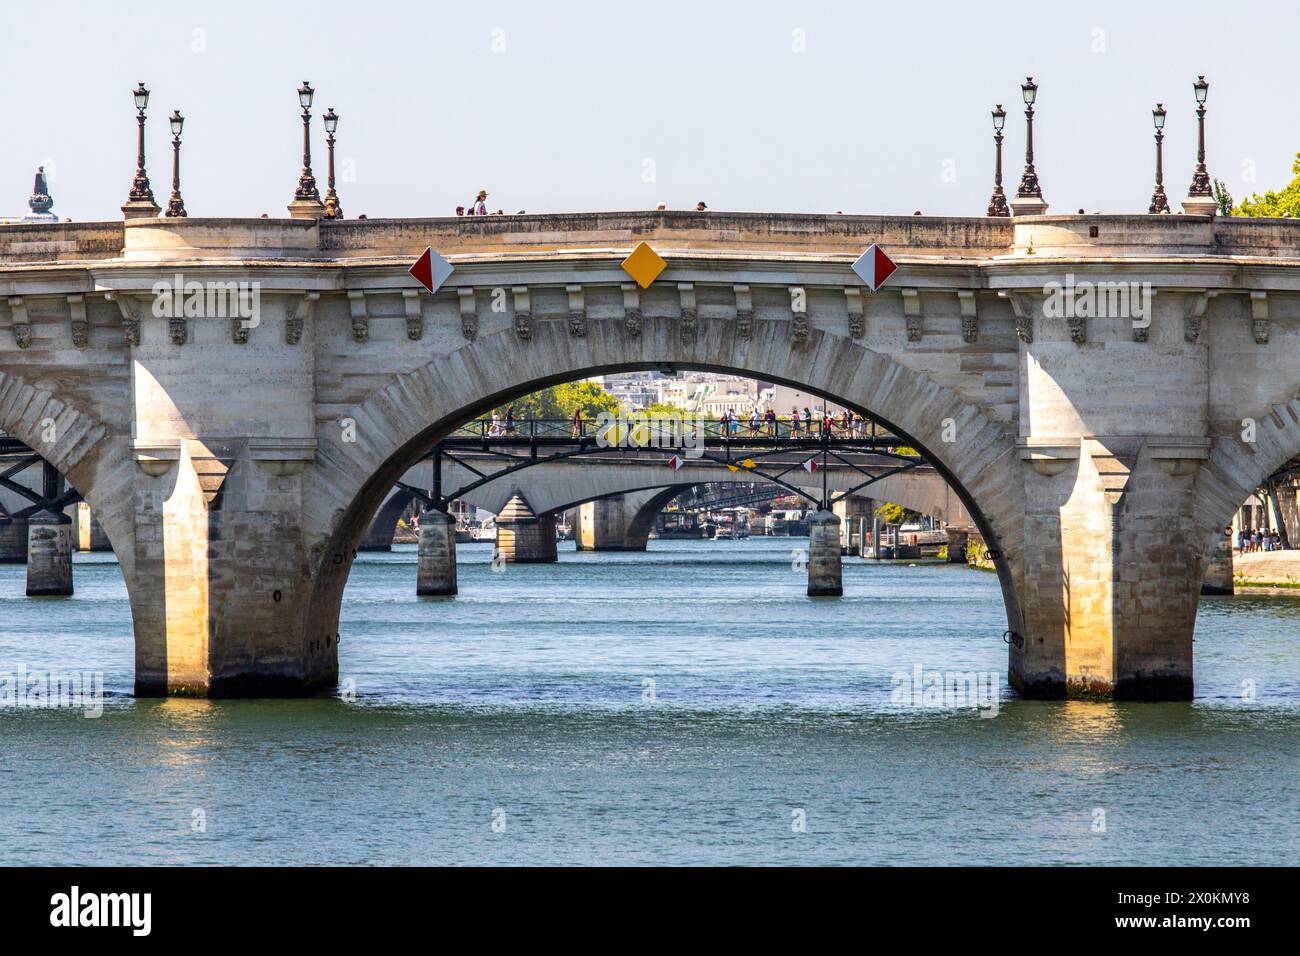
(81, 447)
(398, 423)
(1237, 467)
(96, 462)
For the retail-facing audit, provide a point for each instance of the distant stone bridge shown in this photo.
(236, 465)
(554, 487)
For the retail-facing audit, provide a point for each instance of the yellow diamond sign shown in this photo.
(644, 265)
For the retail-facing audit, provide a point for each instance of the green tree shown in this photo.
(540, 404)
(558, 402)
(588, 397)
(1223, 198)
(666, 408)
(1274, 204)
(891, 513)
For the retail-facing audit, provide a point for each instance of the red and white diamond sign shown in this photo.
(430, 270)
(811, 465)
(676, 462)
(874, 267)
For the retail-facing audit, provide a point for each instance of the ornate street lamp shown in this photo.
(998, 202)
(332, 208)
(140, 202)
(1159, 202)
(1029, 197)
(306, 199)
(1200, 197)
(175, 205)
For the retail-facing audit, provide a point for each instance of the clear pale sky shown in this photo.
(559, 106)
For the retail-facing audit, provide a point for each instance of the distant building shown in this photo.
(784, 398)
(635, 389)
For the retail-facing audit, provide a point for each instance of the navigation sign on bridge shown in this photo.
(874, 267)
(431, 270)
(644, 265)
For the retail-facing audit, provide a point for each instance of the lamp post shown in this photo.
(306, 199)
(1159, 202)
(998, 202)
(176, 205)
(332, 208)
(1200, 197)
(1029, 197)
(139, 201)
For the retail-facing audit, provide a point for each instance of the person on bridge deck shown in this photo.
(807, 421)
(510, 420)
(700, 206)
(577, 424)
(494, 430)
(770, 417)
(754, 422)
(460, 210)
(479, 206)
(794, 422)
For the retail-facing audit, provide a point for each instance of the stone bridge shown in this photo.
(235, 463)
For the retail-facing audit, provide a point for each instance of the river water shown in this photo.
(685, 705)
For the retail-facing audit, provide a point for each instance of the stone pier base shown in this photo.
(13, 540)
(855, 516)
(603, 525)
(49, 555)
(98, 539)
(824, 572)
(957, 542)
(436, 574)
(379, 536)
(524, 537)
(1218, 576)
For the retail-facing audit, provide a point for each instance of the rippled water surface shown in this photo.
(685, 705)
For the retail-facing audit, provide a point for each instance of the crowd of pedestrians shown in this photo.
(805, 423)
(1250, 540)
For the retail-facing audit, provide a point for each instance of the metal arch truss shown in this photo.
(52, 497)
(540, 442)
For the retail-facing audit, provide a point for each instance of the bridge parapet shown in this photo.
(728, 234)
(1146, 236)
(54, 242)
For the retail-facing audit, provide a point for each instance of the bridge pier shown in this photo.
(1112, 573)
(957, 542)
(524, 537)
(1219, 572)
(49, 555)
(603, 525)
(436, 574)
(98, 537)
(379, 536)
(13, 539)
(854, 513)
(824, 570)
